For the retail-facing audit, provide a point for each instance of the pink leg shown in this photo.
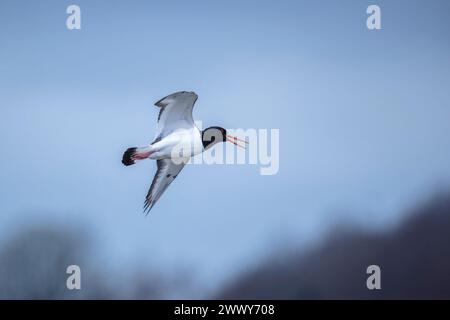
(141, 156)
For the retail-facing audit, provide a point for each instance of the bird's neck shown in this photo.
(206, 141)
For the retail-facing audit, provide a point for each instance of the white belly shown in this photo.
(180, 144)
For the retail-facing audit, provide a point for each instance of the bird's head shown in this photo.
(213, 135)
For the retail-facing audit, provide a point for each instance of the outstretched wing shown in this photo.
(166, 173)
(176, 112)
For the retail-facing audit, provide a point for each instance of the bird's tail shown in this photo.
(134, 154)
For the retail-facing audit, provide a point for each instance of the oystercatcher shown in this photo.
(177, 139)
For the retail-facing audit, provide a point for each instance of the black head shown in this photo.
(213, 135)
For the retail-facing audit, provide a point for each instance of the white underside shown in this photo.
(180, 144)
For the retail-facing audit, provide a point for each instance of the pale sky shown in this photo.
(363, 119)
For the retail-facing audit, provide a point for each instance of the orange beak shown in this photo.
(235, 140)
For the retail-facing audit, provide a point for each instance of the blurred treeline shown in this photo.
(414, 258)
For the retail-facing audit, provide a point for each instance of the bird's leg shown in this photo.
(141, 154)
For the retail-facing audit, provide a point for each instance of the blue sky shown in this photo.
(363, 119)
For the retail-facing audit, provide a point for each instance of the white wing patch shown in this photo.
(175, 113)
(166, 173)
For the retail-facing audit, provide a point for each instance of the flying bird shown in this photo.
(177, 139)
